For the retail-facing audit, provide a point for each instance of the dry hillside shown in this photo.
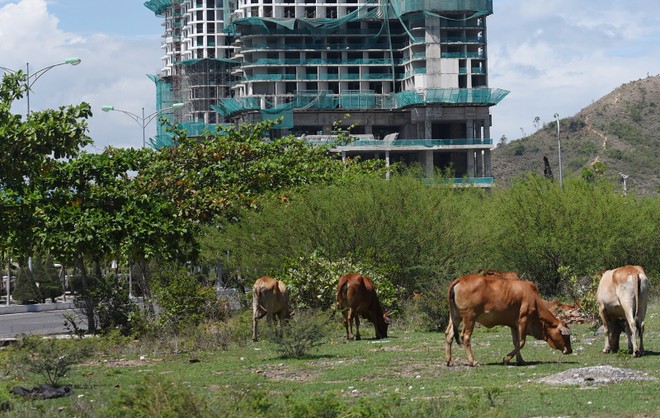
(620, 130)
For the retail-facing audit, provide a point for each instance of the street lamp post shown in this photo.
(561, 178)
(32, 78)
(143, 120)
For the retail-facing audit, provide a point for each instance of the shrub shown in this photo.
(155, 396)
(49, 357)
(112, 305)
(305, 331)
(312, 282)
(181, 298)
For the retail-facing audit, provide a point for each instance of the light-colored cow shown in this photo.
(623, 294)
(270, 299)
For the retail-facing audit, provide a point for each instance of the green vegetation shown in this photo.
(403, 375)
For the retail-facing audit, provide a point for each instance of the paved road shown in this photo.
(34, 323)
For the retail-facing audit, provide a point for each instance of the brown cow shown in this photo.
(493, 300)
(270, 299)
(623, 294)
(356, 296)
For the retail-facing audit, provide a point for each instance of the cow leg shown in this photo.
(348, 323)
(357, 327)
(449, 339)
(278, 323)
(518, 344)
(466, 334)
(254, 327)
(631, 333)
(606, 329)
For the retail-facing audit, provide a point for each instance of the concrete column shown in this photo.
(488, 172)
(470, 163)
(387, 164)
(427, 130)
(469, 129)
(480, 164)
(343, 156)
(428, 163)
(487, 129)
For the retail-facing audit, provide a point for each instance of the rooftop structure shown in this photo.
(410, 76)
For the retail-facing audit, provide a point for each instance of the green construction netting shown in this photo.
(229, 106)
(164, 99)
(284, 111)
(369, 10)
(161, 141)
(358, 99)
(480, 7)
(159, 6)
(480, 96)
(195, 61)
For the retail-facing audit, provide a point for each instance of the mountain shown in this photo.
(620, 130)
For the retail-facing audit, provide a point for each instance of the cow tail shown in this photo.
(256, 303)
(638, 284)
(454, 315)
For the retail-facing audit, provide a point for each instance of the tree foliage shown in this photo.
(415, 232)
(585, 227)
(29, 150)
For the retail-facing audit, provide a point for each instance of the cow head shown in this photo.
(381, 325)
(558, 336)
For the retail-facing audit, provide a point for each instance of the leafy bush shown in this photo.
(303, 332)
(155, 396)
(312, 282)
(181, 298)
(113, 307)
(49, 357)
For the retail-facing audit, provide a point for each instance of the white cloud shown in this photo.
(113, 70)
(561, 56)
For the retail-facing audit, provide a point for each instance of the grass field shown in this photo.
(403, 375)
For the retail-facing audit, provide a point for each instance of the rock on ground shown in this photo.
(597, 375)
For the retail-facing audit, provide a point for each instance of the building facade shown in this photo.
(409, 76)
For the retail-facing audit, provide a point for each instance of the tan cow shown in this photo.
(270, 299)
(493, 300)
(356, 296)
(623, 294)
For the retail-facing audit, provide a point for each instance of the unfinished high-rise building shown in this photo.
(409, 76)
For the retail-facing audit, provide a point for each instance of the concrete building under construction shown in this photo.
(411, 76)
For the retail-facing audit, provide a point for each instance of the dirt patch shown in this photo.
(281, 372)
(597, 375)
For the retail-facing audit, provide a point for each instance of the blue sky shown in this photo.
(557, 56)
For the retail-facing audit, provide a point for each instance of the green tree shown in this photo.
(585, 227)
(29, 149)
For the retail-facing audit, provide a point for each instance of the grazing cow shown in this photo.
(493, 300)
(356, 296)
(623, 294)
(270, 299)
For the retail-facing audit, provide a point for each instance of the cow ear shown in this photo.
(564, 331)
